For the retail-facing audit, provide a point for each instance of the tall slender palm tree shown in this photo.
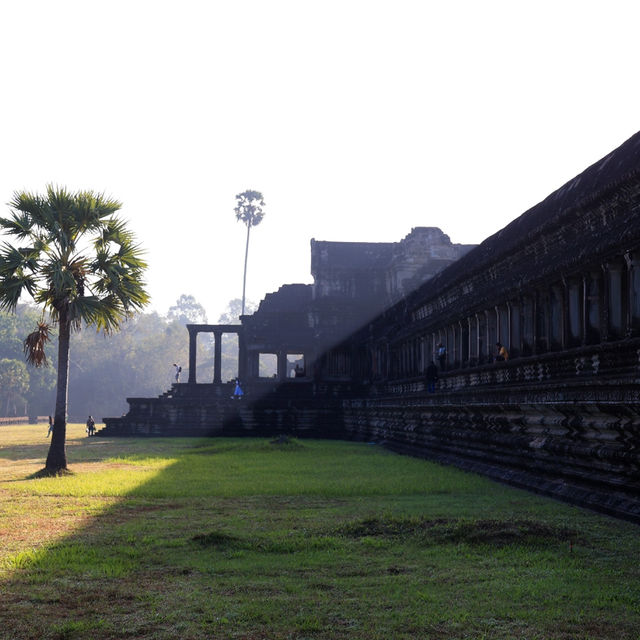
(248, 210)
(77, 260)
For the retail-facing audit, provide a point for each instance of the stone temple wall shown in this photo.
(546, 423)
(559, 287)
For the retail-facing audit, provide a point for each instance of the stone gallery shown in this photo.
(558, 289)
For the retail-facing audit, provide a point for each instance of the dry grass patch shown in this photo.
(34, 522)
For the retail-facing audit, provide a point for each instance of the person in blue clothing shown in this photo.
(238, 392)
(442, 356)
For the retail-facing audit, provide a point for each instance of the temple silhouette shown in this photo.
(559, 288)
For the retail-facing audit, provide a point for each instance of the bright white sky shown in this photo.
(357, 119)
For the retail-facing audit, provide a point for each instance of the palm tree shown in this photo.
(81, 264)
(248, 210)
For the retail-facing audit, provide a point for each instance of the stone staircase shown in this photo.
(292, 408)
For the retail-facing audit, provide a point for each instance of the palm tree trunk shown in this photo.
(57, 457)
(246, 256)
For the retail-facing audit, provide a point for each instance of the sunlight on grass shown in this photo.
(96, 470)
(117, 479)
(86, 560)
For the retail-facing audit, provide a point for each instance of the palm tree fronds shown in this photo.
(90, 208)
(29, 203)
(114, 230)
(249, 207)
(61, 280)
(104, 313)
(12, 258)
(124, 286)
(18, 225)
(34, 345)
(13, 285)
(96, 204)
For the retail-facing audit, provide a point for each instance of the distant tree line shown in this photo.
(137, 361)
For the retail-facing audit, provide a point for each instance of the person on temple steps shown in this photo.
(238, 392)
(502, 354)
(442, 356)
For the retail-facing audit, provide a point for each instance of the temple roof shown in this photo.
(375, 255)
(593, 184)
(288, 298)
(350, 255)
(601, 177)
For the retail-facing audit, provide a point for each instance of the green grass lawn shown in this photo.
(244, 538)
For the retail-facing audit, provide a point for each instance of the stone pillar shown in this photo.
(519, 321)
(557, 321)
(535, 304)
(243, 364)
(480, 338)
(253, 364)
(463, 344)
(616, 298)
(633, 262)
(473, 340)
(604, 304)
(574, 313)
(503, 332)
(282, 365)
(217, 358)
(491, 333)
(585, 309)
(193, 337)
(593, 315)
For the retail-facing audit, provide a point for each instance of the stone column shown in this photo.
(462, 344)
(480, 339)
(217, 358)
(489, 339)
(535, 303)
(557, 321)
(499, 336)
(633, 262)
(253, 364)
(592, 317)
(604, 303)
(574, 327)
(282, 365)
(193, 336)
(243, 364)
(616, 298)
